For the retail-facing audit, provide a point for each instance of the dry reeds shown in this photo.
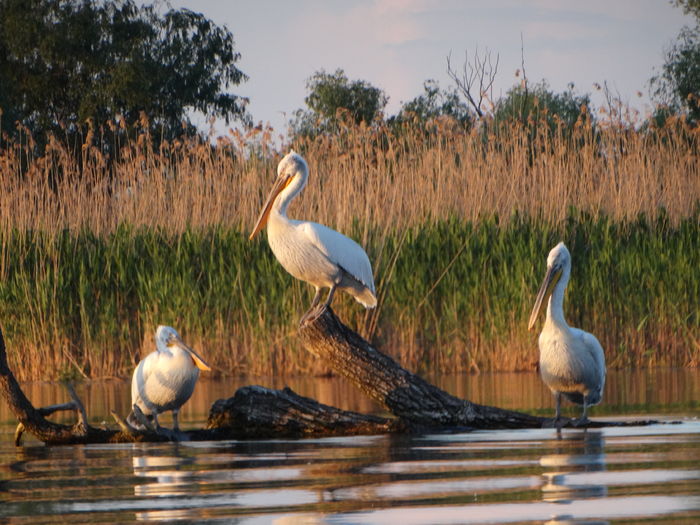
(364, 173)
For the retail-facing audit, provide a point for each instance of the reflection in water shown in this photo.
(164, 476)
(621, 473)
(577, 451)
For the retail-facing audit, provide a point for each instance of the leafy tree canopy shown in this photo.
(332, 95)
(677, 87)
(690, 7)
(434, 102)
(538, 102)
(63, 62)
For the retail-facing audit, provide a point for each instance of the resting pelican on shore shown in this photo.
(309, 251)
(572, 362)
(165, 379)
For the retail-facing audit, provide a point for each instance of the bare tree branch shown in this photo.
(481, 69)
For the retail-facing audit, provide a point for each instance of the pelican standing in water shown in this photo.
(572, 362)
(309, 251)
(165, 379)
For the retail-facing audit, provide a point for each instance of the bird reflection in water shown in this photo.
(164, 478)
(579, 452)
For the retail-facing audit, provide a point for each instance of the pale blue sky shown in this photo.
(397, 44)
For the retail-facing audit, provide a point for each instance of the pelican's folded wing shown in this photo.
(341, 250)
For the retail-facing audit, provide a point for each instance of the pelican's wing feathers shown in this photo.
(143, 370)
(594, 349)
(341, 250)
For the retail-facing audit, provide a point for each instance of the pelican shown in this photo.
(165, 379)
(572, 362)
(309, 251)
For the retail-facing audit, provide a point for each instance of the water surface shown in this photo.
(607, 475)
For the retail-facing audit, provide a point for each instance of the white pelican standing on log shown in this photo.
(572, 362)
(165, 379)
(309, 251)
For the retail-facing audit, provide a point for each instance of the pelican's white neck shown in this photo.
(287, 195)
(555, 305)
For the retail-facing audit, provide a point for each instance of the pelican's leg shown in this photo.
(584, 416)
(176, 425)
(330, 296)
(172, 435)
(314, 303)
(557, 417)
(315, 309)
(317, 298)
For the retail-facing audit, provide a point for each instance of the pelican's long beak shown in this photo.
(551, 278)
(280, 184)
(198, 361)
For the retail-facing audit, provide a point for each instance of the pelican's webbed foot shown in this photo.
(312, 314)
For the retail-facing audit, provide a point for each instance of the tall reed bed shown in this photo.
(94, 254)
(362, 174)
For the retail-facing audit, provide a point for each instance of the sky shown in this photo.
(398, 44)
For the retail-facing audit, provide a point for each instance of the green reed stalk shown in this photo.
(458, 298)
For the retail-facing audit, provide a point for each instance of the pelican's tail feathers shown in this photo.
(366, 298)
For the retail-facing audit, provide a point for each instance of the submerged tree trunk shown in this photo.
(258, 412)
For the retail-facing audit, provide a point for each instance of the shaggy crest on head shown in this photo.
(165, 334)
(560, 253)
(292, 162)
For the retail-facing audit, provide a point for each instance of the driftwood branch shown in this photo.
(125, 427)
(44, 411)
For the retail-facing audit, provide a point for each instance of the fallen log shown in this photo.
(419, 405)
(256, 412)
(416, 402)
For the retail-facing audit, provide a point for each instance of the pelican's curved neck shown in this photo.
(555, 306)
(286, 196)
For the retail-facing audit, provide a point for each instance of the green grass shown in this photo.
(453, 295)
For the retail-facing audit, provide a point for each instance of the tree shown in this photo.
(434, 102)
(66, 62)
(690, 7)
(677, 87)
(537, 104)
(331, 95)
